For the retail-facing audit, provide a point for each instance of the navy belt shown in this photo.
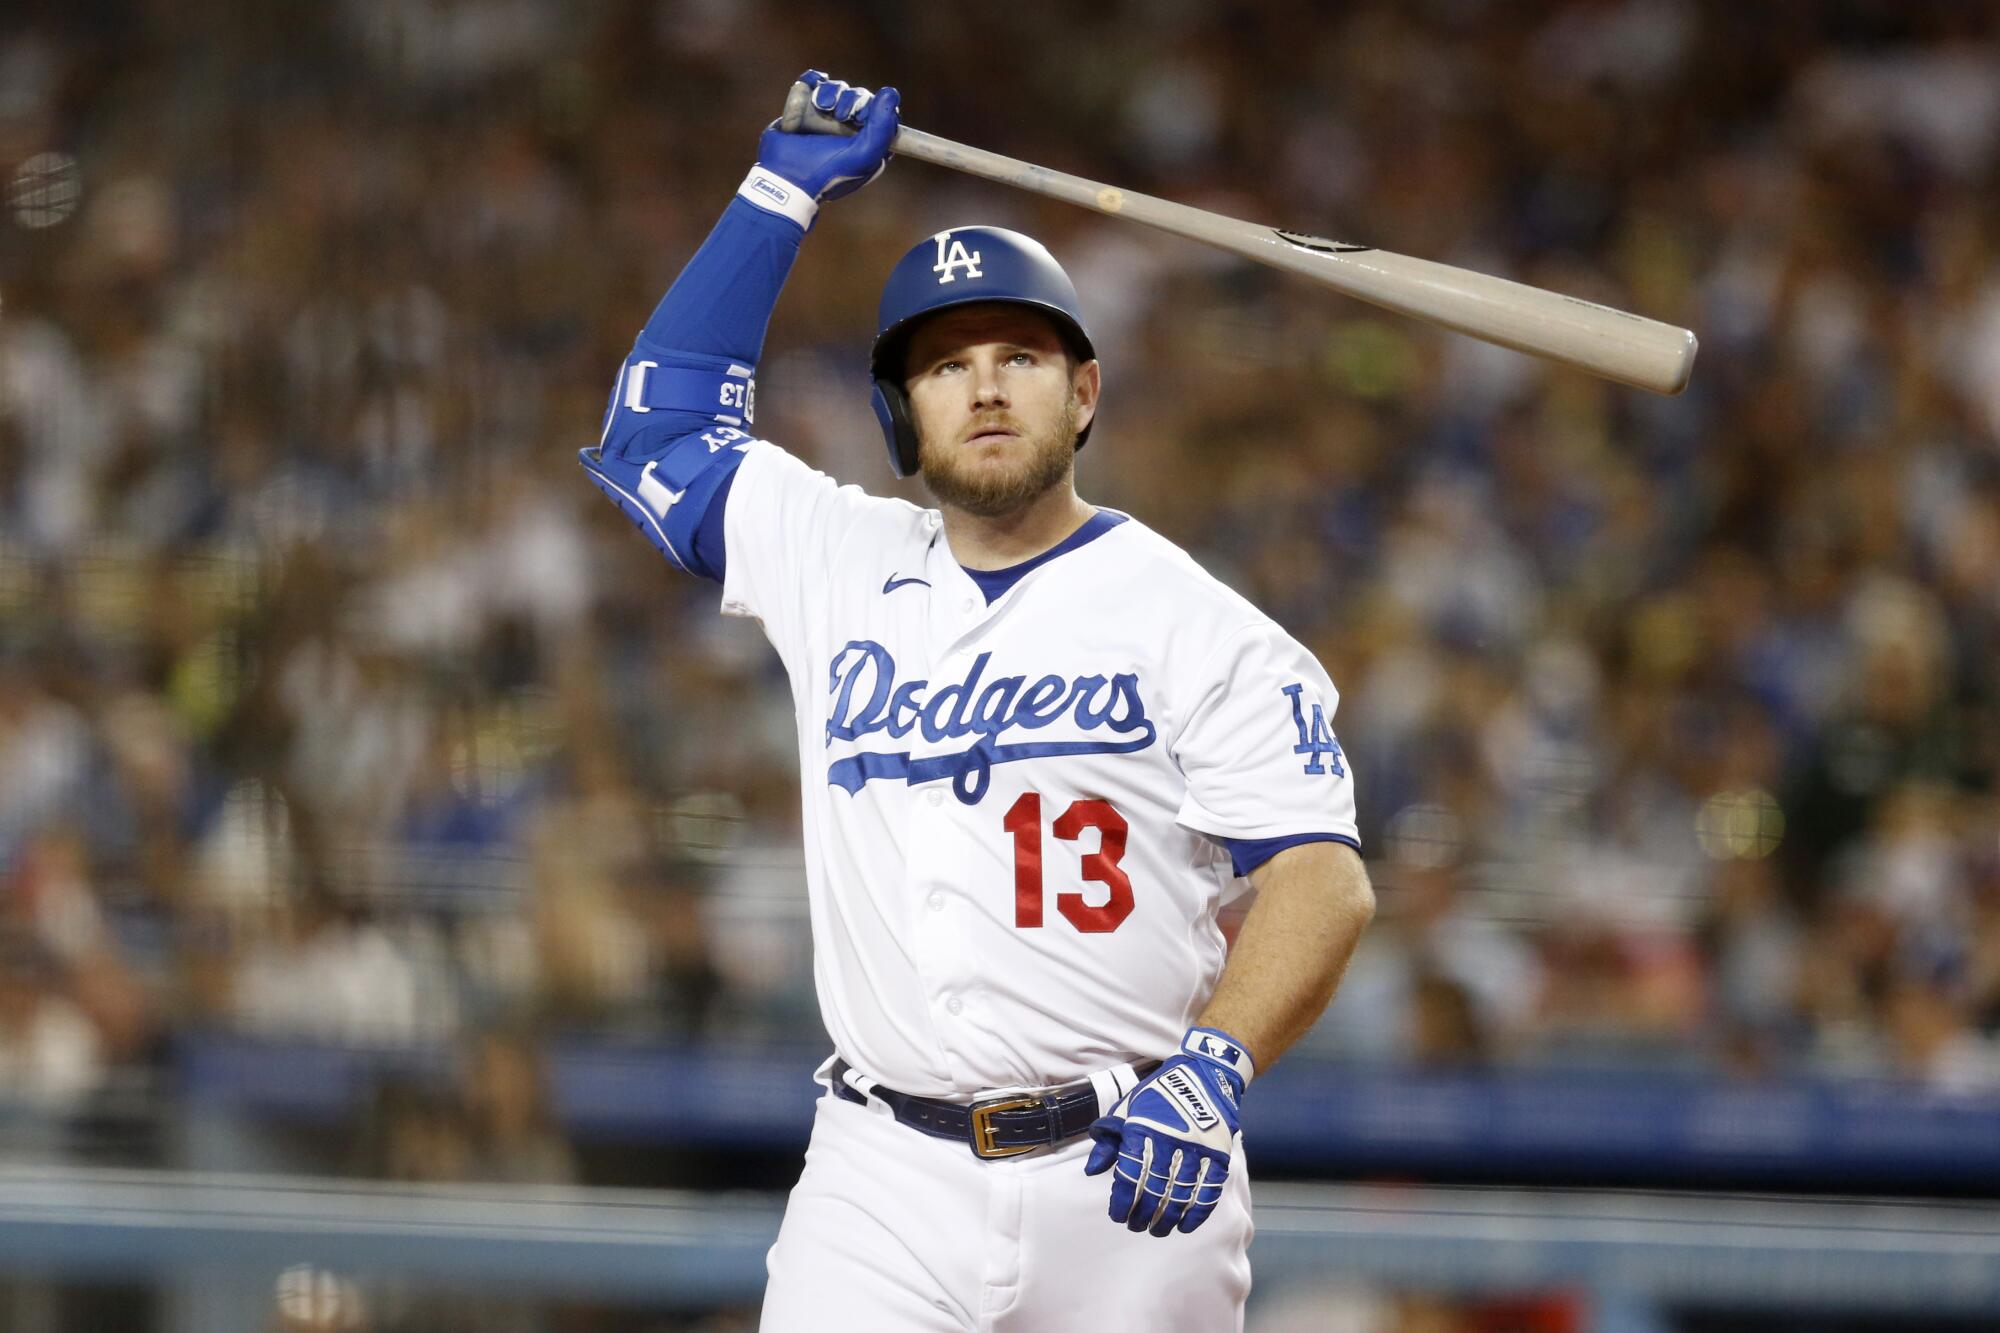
(1003, 1126)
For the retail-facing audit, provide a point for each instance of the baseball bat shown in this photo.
(1618, 345)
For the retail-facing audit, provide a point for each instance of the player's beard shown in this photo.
(989, 492)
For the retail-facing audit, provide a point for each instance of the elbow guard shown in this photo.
(672, 439)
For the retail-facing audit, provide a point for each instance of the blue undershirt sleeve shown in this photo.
(1245, 855)
(708, 534)
(675, 428)
(720, 306)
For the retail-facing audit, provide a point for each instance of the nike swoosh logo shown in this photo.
(895, 583)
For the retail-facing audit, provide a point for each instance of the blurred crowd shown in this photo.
(334, 705)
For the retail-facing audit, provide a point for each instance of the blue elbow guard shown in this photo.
(727, 396)
(664, 475)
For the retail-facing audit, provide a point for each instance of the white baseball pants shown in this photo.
(891, 1230)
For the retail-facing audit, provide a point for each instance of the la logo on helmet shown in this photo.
(954, 258)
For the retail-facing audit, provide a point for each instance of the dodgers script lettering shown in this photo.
(868, 700)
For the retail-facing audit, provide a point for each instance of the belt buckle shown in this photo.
(982, 1127)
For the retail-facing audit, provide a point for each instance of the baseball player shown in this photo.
(1040, 748)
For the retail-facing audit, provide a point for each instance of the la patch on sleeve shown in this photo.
(1316, 742)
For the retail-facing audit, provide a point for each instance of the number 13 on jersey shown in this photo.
(1024, 821)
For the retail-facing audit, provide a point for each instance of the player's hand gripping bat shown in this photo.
(1612, 343)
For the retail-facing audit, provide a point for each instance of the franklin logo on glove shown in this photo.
(1177, 1085)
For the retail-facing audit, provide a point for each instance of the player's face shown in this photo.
(997, 403)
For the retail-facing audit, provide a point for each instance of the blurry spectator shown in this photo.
(418, 1132)
(1446, 1030)
(44, 753)
(50, 1054)
(330, 973)
(1930, 1040)
(1754, 942)
(684, 984)
(512, 1125)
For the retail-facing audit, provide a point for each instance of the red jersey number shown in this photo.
(1024, 821)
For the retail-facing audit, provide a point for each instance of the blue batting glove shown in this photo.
(1171, 1137)
(827, 166)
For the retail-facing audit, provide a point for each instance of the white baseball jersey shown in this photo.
(1011, 811)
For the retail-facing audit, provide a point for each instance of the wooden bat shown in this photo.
(1620, 346)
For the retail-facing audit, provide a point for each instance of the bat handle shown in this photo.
(802, 117)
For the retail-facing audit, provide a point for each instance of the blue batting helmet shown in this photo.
(958, 267)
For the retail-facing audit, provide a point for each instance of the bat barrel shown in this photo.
(1613, 343)
(1616, 344)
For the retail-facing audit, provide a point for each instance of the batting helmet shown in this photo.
(958, 267)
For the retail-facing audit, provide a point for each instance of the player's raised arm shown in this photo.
(673, 432)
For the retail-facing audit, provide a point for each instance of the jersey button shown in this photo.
(935, 798)
(965, 605)
(937, 902)
(955, 1005)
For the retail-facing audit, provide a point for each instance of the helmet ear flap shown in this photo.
(892, 409)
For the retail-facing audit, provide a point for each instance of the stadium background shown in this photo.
(374, 807)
